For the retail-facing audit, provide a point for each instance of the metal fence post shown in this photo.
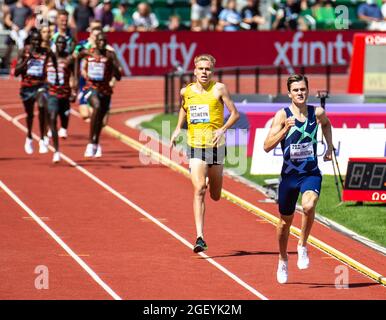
(278, 80)
(237, 80)
(166, 92)
(257, 75)
(172, 87)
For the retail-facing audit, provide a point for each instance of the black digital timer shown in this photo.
(366, 175)
(365, 180)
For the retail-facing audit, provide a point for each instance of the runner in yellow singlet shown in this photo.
(203, 109)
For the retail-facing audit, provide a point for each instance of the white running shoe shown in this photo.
(46, 140)
(42, 146)
(282, 271)
(90, 150)
(28, 147)
(303, 260)
(62, 133)
(56, 157)
(98, 152)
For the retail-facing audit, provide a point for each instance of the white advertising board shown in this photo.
(348, 143)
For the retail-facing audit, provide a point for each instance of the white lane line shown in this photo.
(148, 215)
(47, 229)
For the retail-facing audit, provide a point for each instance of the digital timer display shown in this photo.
(366, 176)
(365, 180)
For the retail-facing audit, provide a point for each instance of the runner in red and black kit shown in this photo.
(59, 93)
(31, 65)
(99, 66)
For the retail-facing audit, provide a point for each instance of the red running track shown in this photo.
(132, 255)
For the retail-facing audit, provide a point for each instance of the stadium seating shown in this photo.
(165, 8)
(163, 13)
(323, 18)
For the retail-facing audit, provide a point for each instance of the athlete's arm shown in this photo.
(73, 81)
(51, 55)
(76, 71)
(110, 48)
(117, 72)
(83, 71)
(325, 123)
(181, 120)
(234, 114)
(21, 65)
(279, 128)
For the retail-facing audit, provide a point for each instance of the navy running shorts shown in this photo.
(291, 185)
(27, 93)
(104, 100)
(55, 104)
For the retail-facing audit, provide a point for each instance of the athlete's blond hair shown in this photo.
(205, 57)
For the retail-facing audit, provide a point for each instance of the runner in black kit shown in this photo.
(31, 65)
(60, 93)
(99, 66)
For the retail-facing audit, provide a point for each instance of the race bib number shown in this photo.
(51, 77)
(35, 68)
(96, 71)
(199, 113)
(302, 151)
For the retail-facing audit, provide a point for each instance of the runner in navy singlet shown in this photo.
(295, 128)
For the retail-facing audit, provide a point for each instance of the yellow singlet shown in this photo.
(205, 114)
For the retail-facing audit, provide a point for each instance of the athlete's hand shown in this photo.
(289, 123)
(328, 154)
(73, 96)
(26, 58)
(217, 135)
(83, 73)
(174, 137)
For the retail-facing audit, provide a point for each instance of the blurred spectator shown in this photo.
(46, 13)
(32, 4)
(174, 23)
(214, 20)
(104, 14)
(62, 29)
(18, 18)
(67, 5)
(144, 19)
(240, 4)
(45, 32)
(288, 16)
(383, 9)
(122, 17)
(251, 15)
(61, 4)
(372, 14)
(202, 12)
(83, 15)
(229, 19)
(323, 12)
